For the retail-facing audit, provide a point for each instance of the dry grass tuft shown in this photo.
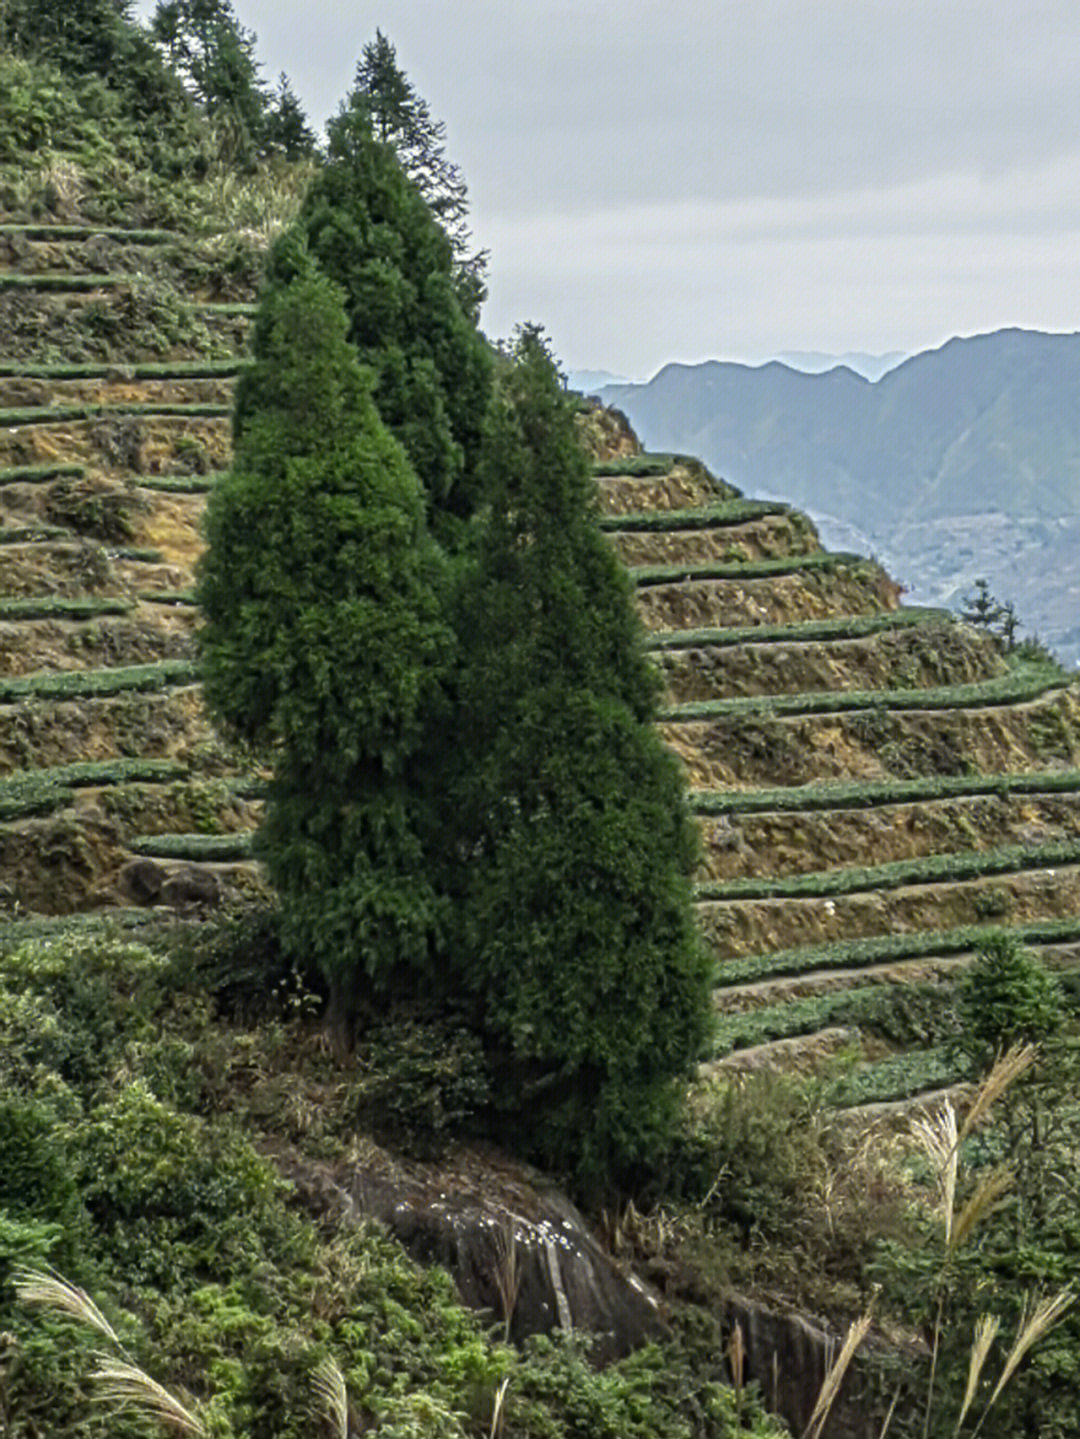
(1034, 1323)
(1006, 1071)
(49, 1291)
(986, 1330)
(830, 1385)
(983, 1201)
(121, 1383)
(507, 1269)
(332, 1396)
(938, 1136)
(498, 1411)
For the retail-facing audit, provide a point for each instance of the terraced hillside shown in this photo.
(118, 352)
(877, 785)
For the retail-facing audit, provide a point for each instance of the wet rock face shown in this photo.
(514, 1246)
(789, 1357)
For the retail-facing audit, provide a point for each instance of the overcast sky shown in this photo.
(680, 180)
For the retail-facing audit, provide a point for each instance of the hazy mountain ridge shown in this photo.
(959, 462)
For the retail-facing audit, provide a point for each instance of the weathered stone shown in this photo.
(515, 1246)
(191, 886)
(141, 881)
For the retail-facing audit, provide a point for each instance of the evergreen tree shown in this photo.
(323, 642)
(97, 38)
(213, 53)
(285, 128)
(372, 233)
(572, 845)
(400, 117)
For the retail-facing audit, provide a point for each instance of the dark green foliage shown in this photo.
(1024, 681)
(285, 128)
(704, 517)
(636, 465)
(932, 869)
(97, 44)
(121, 1162)
(372, 232)
(848, 628)
(573, 845)
(825, 561)
(855, 953)
(423, 1082)
(206, 45)
(79, 684)
(323, 640)
(1006, 997)
(399, 117)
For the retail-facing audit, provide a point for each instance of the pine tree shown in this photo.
(401, 118)
(285, 128)
(215, 55)
(371, 232)
(323, 641)
(572, 844)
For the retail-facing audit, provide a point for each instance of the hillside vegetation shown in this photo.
(887, 799)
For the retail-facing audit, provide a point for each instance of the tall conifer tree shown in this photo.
(323, 641)
(572, 841)
(372, 232)
(400, 117)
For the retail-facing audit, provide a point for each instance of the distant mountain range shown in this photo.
(958, 463)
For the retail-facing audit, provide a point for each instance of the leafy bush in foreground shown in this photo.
(122, 1163)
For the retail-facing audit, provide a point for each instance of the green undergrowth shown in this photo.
(177, 370)
(868, 794)
(929, 869)
(61, 281)
(901, 1076)
(65, 414)
(30, 534)
(222, 307)
(825, 561)
(29, 792)
(176, 484)
(142, 555)
(136, 1117)
(848, 627)
(1026, 680)
(77, 684)
(168, 597)
(30, 231)
(886, 948)
(47, 607)
(94, 927)
(205, 847)
(727, 512)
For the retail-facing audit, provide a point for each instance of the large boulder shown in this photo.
(515, 1246)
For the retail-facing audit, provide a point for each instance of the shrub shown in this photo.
(422, 1083)
(1006, 997)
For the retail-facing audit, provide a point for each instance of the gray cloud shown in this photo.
(678, 179)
